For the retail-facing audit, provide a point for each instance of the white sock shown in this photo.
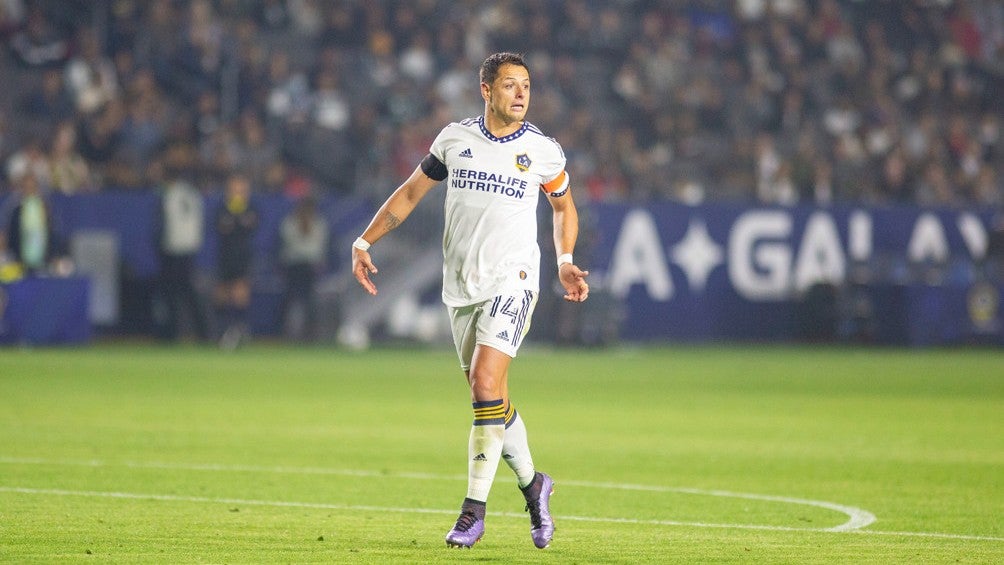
(516, 449)
(484, 449)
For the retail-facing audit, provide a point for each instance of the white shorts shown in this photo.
(500, 323)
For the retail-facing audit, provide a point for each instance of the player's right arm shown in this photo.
(390, 215)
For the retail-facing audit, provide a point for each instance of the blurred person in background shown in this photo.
(304, 237)
(993, 262)
(48, 102)
(235, 224)
(70, 172)
(99, 138)
(181, 238)
(253, 151)
(145, 124)
(39, 43)
(91, 77)
(689, 78)
(30, 158)
(30, 238)
(496, 165)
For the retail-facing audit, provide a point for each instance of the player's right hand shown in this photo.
(362, 267)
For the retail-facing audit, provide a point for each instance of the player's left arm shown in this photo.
(566, 232)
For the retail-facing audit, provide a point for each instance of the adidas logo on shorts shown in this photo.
(503, 335)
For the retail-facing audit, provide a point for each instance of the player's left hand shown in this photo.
(574, 280)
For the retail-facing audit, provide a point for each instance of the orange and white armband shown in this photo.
(558, 186)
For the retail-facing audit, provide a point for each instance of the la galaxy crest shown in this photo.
(523, 162)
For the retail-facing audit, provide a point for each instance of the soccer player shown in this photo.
(494, 165)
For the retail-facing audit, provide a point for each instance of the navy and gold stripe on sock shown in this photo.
(510, 415)
(489, 413)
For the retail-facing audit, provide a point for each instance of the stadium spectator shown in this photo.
(100, 139)
(145, 125)
(199, 57)
(322, 144)
(49, 102)
(874, 84)
(159, 38)
(69, 171)
(6, 144)
(288, 98)
(40, 44)
(91, 76)
(993, 262)
(253, 152)
(11, 16)
(208, 119)
(987, 190)
(31, 158)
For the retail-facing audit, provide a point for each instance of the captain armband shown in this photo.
(558, 186)
(433, 167)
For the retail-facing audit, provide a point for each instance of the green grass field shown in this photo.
(132, 454)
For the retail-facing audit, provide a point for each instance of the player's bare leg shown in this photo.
(487, 379)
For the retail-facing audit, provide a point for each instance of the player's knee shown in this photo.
(485, 386)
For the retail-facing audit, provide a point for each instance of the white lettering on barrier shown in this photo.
(697, 254)
(859, 236)
(974, 234)
(820, 258)
(758, 267)
(928, 242)
(760, 248)
(639, 258)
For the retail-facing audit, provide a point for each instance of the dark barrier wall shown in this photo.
(135, 218)
(901, 275)
(695, 273)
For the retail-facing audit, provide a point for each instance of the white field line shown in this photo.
(368, 508)
(857, 518)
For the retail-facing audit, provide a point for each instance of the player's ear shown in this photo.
(486, 91)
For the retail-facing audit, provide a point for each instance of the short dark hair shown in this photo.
(490, 68)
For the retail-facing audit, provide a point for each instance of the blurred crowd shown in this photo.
(772, 101)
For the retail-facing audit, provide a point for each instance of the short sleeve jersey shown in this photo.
(492, 188)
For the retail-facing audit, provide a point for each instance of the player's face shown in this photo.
(508, 97)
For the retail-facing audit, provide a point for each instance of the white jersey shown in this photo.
(492, 187)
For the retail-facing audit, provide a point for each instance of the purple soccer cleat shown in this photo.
(538, 498)
(467, 531)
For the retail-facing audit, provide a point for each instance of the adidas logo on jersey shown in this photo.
(503, 335)
(466, 153)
